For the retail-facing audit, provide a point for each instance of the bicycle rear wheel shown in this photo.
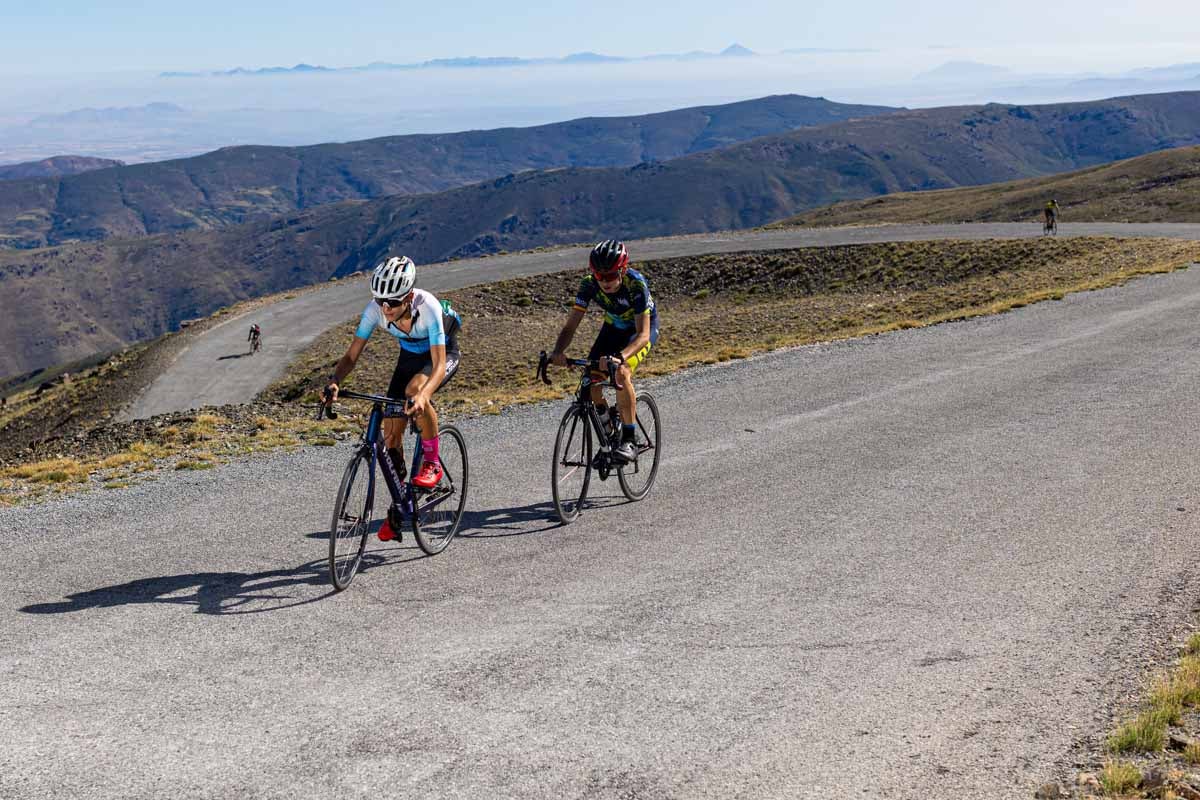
(571, 468)
(637, 477)
(439, 511)
(351, 520)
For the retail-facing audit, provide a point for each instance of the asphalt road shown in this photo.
(214, 369)
(907, 566)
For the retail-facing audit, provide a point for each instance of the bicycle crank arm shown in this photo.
(434, 500)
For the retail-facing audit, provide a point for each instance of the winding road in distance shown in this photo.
(209, 371)
(915, 565)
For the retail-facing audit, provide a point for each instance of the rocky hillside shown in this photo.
(236, 184)
(55, 167)
(1159, 187)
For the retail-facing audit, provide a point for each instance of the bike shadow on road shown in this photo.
(222, 593)
(522, 520)
(234, 355)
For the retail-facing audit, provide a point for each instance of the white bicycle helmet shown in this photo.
(393, 278)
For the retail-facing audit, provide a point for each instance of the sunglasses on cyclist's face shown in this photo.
(608, 277)
(388, 302)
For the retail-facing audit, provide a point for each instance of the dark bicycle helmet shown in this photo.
(608, 258)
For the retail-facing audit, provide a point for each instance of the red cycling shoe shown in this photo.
(429, 475)
(386, 534)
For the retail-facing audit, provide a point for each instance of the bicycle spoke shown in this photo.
(351, 522)
(439, 513)
(571, 464)
(637, 477)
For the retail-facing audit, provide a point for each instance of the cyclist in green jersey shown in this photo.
(1051, 212)
(630, 329)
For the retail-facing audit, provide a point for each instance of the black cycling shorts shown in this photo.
(612, 340)
(410, 364)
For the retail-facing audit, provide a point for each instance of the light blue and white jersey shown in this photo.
(426, 330)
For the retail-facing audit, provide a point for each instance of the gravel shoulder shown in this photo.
(902, 566)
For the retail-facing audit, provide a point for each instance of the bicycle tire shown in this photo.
(574, 431)
(348, 532)
(436, 527)
(649, 441)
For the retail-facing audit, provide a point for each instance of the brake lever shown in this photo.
(325, 406)
(612, 374)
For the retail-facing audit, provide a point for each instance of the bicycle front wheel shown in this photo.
(571, 469)
(439, 511)
(351, 521)
(638, 476)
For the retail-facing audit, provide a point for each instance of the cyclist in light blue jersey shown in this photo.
(427, 332)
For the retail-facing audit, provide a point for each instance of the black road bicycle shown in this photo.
(435, 513)
(1050, 226)
(586, 442)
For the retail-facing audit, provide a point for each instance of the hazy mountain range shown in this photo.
(137, 288)
(473, 62)
(145, 118)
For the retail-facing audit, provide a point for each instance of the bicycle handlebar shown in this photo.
(592, 364)
(325, 408)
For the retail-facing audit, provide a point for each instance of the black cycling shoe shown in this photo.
(624, 453)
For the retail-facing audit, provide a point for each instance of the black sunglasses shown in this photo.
(390, 302)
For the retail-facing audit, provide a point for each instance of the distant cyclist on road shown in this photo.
(427, 331)
(1051, 214)
(255, 337)
(630, 329)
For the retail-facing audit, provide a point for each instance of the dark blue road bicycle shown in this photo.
(435, 514)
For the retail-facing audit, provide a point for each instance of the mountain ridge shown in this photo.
(55, 166)
(734, 50)
(232, 185)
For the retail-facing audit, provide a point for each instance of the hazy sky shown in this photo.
(68, 36)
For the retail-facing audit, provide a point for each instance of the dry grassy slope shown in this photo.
(726, 306)
(1160, 187)
(714, 308)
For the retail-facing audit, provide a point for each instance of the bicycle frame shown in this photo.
(584, 402)
(375, 448)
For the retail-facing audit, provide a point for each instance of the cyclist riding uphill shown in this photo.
(427, 331)
(630, 329)
(1051, 211)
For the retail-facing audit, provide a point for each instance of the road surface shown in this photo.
(907, 566)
